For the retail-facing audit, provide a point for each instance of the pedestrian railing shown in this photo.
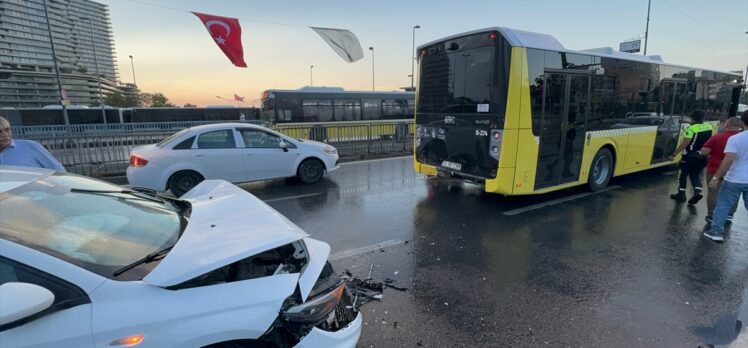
(104, 149)
(112, 127)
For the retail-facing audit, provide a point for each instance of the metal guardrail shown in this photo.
(112, 127)
(104, 149)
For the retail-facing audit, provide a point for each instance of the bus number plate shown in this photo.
(451, 165)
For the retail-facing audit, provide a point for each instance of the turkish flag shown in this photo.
(227, 34)
(238, 98)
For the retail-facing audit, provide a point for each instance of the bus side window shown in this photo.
(347, 110)
(371, 109)
(535, 68)
(317, 110)
(603, 108)
(392, 109)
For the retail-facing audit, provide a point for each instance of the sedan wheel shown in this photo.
(311, 171)
(181, 182)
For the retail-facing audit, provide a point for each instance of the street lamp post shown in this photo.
(132, 64)
(646, 31)
(413, 60)
(372, 67)
(311, 75)
(96, 65)
(57, 68)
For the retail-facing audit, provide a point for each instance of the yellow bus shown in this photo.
(520, 114)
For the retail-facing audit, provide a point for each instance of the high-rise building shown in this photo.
(81, 29)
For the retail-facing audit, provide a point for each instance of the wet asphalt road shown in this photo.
(622, 268)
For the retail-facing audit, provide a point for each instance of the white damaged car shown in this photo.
(84, 263)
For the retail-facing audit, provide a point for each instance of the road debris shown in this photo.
(365, 290)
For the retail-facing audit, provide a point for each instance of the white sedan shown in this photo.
(235, 152)
(88, 264)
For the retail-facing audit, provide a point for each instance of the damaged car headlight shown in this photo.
(315, 310)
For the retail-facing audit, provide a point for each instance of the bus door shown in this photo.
(671, 111)
(566, 103)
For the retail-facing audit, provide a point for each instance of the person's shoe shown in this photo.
(714, 237)
(708, 219)
(695, 199)
(729, 218)
(680, 196)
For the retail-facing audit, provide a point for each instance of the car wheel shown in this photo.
(601, 170)
(311, 171)
(183, 181)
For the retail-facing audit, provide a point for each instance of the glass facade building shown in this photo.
(27, 71)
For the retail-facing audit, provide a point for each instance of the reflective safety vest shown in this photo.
(699, 133)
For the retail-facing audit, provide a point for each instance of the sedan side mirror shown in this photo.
(283, 145)
(21, 300)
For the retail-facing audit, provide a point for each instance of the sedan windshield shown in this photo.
(98, 232)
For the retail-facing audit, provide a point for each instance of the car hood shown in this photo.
(227, 224)
(311, 144)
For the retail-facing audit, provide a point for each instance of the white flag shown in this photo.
(343, 42)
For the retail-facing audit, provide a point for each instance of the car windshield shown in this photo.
(100, 232)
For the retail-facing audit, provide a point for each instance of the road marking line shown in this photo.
(557, 201)
(293, 197)
(365, 249)
(376, 160)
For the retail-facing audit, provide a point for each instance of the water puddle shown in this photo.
(730, 330)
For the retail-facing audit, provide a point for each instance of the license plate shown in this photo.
(451, 165)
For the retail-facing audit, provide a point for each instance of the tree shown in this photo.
(188, 105)
(122, 100)
(155, 100)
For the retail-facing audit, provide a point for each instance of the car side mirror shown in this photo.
(283, 145)
(21, 300)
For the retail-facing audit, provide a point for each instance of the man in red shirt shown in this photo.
(715, 149)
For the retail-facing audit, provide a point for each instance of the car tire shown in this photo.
(183, 181)
(601, 170)
(311, 171)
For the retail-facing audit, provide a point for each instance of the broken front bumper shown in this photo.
(343, 338)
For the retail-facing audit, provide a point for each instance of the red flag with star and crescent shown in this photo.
(227, 34)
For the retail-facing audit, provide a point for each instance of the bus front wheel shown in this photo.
(601, 170)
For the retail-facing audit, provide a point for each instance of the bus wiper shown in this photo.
(123, 191)
(154, 256)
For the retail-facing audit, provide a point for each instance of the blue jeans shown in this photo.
(729, 195)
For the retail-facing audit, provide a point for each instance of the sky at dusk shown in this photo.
(174, 54)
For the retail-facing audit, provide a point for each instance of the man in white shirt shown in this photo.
(734, 173)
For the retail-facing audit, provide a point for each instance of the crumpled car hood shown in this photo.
(227, 224)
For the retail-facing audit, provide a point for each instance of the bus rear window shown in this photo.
(461, 76)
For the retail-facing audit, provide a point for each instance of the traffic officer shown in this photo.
(692, 163)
